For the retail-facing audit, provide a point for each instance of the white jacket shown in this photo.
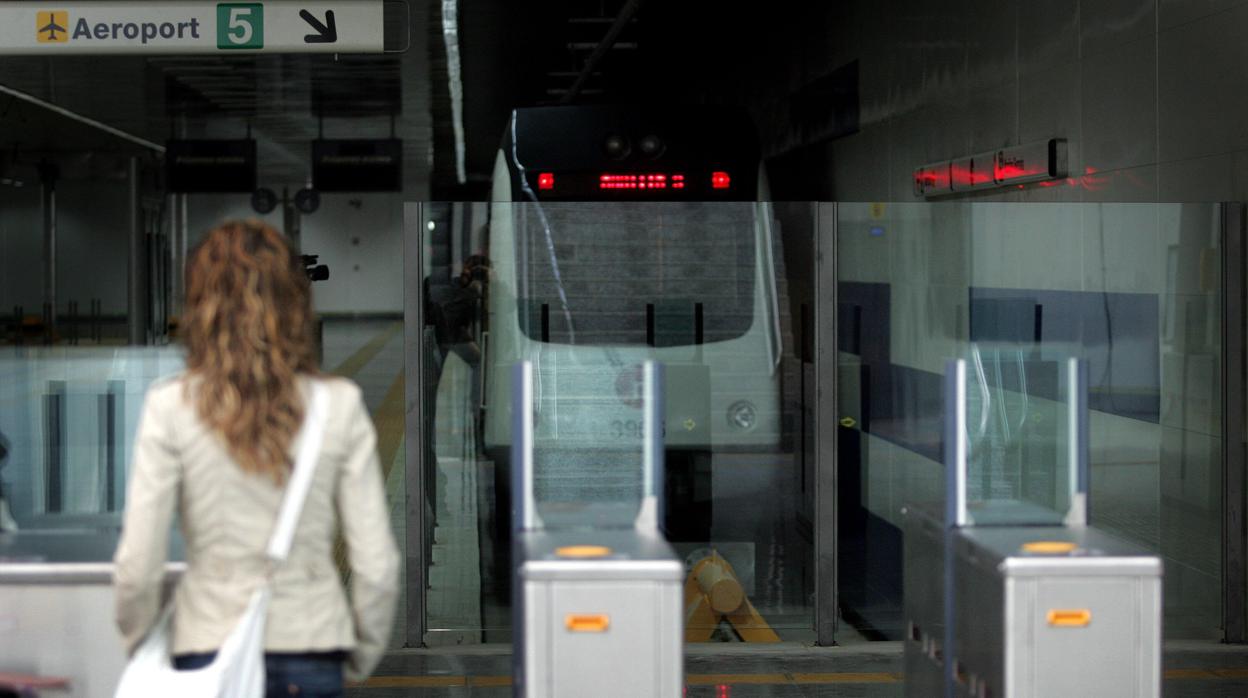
(227, 516)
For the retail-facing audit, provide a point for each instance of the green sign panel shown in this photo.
(240, 25)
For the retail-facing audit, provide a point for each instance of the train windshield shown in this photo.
(663, 274)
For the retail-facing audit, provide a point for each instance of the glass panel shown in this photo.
(1132, 290)
(1019, 467)
(588, 442)
(588, 292)
(71, 394)
(68, 418)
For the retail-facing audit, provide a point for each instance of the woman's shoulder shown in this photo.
(344, 393)
(168, 390)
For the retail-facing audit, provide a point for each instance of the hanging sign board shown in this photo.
(211, 166)
(357, 165)
(187, 27)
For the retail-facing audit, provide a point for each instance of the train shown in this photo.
(619, 235)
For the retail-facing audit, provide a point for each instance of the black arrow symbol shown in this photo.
(326, 33)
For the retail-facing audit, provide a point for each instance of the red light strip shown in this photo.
(647, 180)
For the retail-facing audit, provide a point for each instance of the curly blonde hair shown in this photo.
(247, 328)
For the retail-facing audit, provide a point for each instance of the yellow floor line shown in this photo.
(389, 421)
(413, 682)
(357, 361)
(1172, 674)
(847, 677)
(719, 679)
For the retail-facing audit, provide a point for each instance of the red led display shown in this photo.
(641, 180)
(720, 180)
(546, 180)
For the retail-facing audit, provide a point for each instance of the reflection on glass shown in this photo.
(572, 487)
(1131, 290)
(1020, 466)
(589, 292)
(68, 418)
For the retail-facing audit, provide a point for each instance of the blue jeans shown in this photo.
(305, 675)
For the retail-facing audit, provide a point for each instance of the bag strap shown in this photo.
(310, 437)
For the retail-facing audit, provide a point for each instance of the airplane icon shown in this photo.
(51, 28)
(53, 24)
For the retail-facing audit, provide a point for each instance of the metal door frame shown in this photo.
(1234, 475)
(414, 420)
(826, 436)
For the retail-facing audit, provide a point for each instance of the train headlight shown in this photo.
(617, 146)
(742, 416)
(652, 146)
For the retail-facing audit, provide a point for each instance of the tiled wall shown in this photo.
(1151, 94)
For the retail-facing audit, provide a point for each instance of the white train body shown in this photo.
(722, 394)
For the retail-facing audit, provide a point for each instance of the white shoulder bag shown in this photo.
(238, 669)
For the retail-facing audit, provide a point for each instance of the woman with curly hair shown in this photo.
(216, 444)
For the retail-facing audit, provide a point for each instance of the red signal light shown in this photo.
(720, 180)
(546, 180)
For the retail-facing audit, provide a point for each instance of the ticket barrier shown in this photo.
(597, 609)
(1009, 599)
(57, 607)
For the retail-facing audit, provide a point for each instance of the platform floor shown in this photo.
(868, 671)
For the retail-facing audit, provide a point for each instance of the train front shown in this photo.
(617, 236)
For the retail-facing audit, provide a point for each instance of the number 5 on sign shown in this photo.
(240, 25)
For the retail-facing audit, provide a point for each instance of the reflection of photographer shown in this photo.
(461, 312)
(6, 519)
(457, 324)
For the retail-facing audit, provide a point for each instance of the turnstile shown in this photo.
(597, 610)
(600, 613)
(1008, 599)
(1039, 611)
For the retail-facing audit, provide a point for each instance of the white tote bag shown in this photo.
(238, 669)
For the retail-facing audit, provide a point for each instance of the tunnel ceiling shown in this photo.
(527, 54)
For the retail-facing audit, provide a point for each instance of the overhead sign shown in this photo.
(186, 27)
(357, 165)
(211, 166)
